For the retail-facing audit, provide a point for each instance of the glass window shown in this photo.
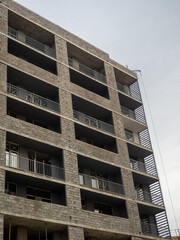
(81, 179)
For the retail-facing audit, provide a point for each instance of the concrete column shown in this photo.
(75, 233)
(128, 183)
(73, 199)
(22, 233)
(2, 181)
(3, 82)
(71, 167)
(123, 155)
(2, 145)
(133, 214)
(3, 19)
(67, 126)
(1, 226)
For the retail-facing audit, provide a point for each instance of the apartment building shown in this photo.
(76, 160)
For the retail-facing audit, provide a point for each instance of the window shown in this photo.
(12, 152)
(10, 188)
(81, 179)
(38, 194)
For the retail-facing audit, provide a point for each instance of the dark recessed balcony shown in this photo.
(33, 115)
(32, 98)
(97, 203)
(23, 52)
(28, 187)
(95, 138)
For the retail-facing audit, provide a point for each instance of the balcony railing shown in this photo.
(131, 91)
(86, 70)
(102, 184)
(143, 167)
(93, 122)
(26, 164)
(133, 114)
(32, 97)
(145, 142)
(31, 42)
(149, 197)
(149, 229)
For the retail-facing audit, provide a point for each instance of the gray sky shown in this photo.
(145, 35)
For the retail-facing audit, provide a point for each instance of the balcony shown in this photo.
(86, 70)
(142, 138)
(34, 189)
(32, 229)
(149, 229)
(88, 120)
(22, 163)
(132, 90)
(97, 203)
(31, 42)
(150, 197)
(148, 168)
(101, 184)
(32, 98)
(136, 115)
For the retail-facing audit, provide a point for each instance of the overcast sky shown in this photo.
(145, 35)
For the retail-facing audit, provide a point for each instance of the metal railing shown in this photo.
(143, 167)
(145, 142)
(131, 90)
(36, 167)
(32, 98)
(93, 122)
(149, 197)
(160, 229)
(133, 114)
(31, 42)
(149, 229)
(86, 70)
(100, 183)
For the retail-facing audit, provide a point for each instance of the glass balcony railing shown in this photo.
(100, 183)
(93, 122)
(31, 42)
(32, 98)
(86, 70)
(26, 164)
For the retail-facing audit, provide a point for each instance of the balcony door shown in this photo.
(12, 155)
